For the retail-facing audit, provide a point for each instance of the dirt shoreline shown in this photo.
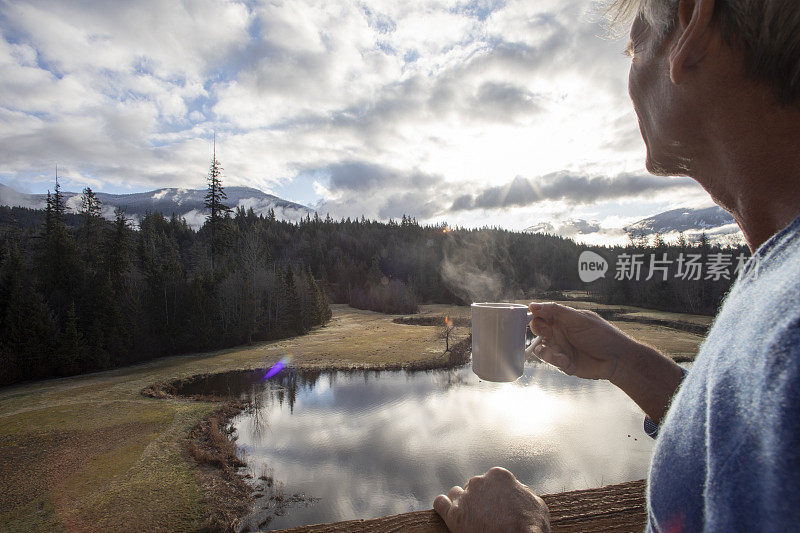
(227, 495)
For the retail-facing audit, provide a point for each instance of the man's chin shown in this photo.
(656, 167)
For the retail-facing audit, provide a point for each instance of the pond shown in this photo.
(342, 445)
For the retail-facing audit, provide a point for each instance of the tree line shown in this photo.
(679, 277)
(79, 293)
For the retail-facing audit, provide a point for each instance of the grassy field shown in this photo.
(90, 453)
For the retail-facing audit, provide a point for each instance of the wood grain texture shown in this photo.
(617, 508)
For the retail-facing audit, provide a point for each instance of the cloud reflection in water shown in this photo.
(391, 441)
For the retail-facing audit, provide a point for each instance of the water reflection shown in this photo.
(369, 444)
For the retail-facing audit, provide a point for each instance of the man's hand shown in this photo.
(582, 344)
(578, 342)
(495, 501)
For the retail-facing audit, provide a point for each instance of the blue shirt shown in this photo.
(727, 457)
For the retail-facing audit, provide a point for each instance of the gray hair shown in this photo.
(766, 31)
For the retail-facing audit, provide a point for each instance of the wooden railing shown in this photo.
(619, 508)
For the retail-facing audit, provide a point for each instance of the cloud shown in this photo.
(185, 39)
(393, 106)
(353, 188)
(422, 204)
(571, 188)
(381, 192)
(357, 176)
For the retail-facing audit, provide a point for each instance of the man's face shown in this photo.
(657, 102)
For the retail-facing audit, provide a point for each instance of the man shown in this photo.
(716, 87)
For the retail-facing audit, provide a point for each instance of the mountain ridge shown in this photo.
(185, 203)
(717, 224)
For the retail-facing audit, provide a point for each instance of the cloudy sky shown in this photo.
(473, 112)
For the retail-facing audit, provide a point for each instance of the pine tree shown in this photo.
(92, 228)
(90, 206)
(704, 243)
(27, 327)
(71, 346)
(49, 220)
(28, 333)
(375, 275)
(118, 255)
(293, 311)
(58, 202)
(318, 310)
(311, 309)
(115, 325)
(54, 210)
(215, 195)
(60, 267)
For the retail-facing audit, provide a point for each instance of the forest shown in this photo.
(79, 293)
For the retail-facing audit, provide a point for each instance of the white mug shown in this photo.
(498, 340)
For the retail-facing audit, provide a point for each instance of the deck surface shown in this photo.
(619, 508)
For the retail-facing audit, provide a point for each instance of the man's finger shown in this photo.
(548, 310)
(455, 493)
(558, 359)
(537, 349)
(540, 327)
(442, 505)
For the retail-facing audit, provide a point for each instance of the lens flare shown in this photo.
(277, 367)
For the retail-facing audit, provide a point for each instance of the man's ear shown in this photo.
(695, 35)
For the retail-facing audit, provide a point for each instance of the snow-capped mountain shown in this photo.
(707, 218)
(718, 225)
(186, 203)
(567, 228)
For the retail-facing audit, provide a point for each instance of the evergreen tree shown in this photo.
(703, 244)
(215, 196)
(49, 219)
(90, 206)
(10, 270)
(58, 202)
(320, 310)
(60, 268)
(28, 333)
(118, 252)
(54, 210)
(293, 311)
(71, 346)
(92, 228)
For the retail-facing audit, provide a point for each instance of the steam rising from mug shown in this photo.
(470, 283)
(468, 266)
